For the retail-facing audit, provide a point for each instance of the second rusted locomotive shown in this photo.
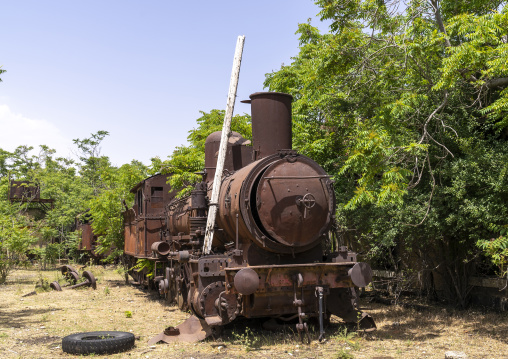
(272, 255)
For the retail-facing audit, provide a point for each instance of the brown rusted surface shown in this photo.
(271, 253)
(27, 192)
(293, 201)
(89, 279)
(275, 278)
(23, 190)
(88, 238)
(268, 195)
(145, 222)
(161, 248)
(130, 232)
(192, 330)
(238, 153)
(271, 123)
(55, 286)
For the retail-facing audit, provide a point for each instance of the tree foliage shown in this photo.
(405, 104)
(89, 185)
(187, 160)
(15, 237)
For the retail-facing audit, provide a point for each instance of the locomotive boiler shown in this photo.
(272, 254)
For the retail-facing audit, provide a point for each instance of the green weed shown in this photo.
(344, 354)
(42, 284)
(248, 339)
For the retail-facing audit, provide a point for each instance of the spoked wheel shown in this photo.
(182, 297)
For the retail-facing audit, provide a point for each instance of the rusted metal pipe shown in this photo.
(271, 122)
(320, 295)
(161, 248)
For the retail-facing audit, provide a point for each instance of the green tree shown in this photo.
(92, 163)
(15, 238)
(1, 72)
(106, 207)
(406, 108)
(187, 160)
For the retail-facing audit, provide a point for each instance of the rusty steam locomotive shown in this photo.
(271, 252)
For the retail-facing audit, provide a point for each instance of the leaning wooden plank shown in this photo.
(226, 131)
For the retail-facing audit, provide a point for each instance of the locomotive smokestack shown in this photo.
(271, 122)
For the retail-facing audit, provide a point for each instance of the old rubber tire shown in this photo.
(105, 342)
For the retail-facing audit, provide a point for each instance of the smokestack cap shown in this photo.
(266, 94)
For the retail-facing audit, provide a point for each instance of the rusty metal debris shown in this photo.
(29, 294)
(30, 193)
(192, 330)
(73, 277)
(70, 274)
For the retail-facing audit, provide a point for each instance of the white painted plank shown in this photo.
(226, 131)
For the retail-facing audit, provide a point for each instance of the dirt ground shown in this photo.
(33, 326)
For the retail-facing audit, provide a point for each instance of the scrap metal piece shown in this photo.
(55, 286)
(161, 248)
(72, 277)
(67, 268)
(320, 294)
(190, 331)
(29, 294)
(90, 279)
(171, 331)
(367, 323)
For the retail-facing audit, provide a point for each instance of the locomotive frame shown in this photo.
(269, 254)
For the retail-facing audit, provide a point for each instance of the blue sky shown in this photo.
(141, 70)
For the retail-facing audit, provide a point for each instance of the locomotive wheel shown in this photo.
(214, 302)
(181, 298)
(190, 294)
(166, 290)
(172, 292)
(181, 302)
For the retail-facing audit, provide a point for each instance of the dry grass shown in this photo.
(32, 327)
